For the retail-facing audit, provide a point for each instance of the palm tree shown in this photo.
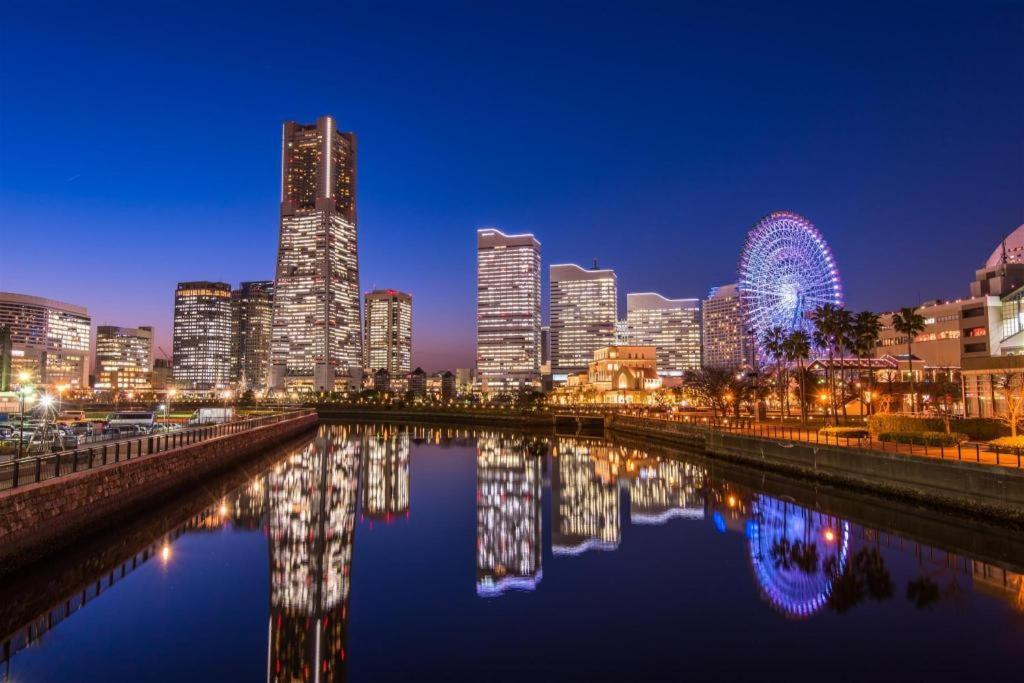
(828, 336)
(774, 346)
(910, 323)
(866, 328)
(798, 349)
(844, 342)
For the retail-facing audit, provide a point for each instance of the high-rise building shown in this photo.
(672, 326)
(316, 337)
(252, 311)
(49, 339)
(725, 341)
(124, 358)
(508, 349)
(202, 335)
(387, 332)
(584, 309)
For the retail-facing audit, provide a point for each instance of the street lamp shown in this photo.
(23, 393)
(171, 393)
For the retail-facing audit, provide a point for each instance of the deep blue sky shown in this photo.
(140, 143)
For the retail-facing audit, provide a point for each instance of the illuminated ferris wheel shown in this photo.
(786, 271)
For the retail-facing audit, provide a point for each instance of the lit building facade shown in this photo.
(252, 310)
(584, 310)
(726, 345)
(317, 338)
(202, 335)
(617, 374)
(49, 339)
(508, 515)
(387, 335)
(672, 326)
(508, 347)
(124, 358)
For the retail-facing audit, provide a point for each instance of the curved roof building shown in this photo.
(1012, 246)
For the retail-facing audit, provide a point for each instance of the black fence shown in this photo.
(36, 468)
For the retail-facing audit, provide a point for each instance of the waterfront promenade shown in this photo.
(51, 501)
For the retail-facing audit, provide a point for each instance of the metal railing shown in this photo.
(964, 452)
(36, 468)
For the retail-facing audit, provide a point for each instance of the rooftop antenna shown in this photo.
(595, 263)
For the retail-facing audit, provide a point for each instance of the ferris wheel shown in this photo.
(786, 271)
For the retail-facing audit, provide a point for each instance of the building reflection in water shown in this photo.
(385, 473)
(312, 505)
(508, 513)
(584, 499)
(660, 490)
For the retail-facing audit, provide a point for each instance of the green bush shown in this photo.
(1008, 442)
(976, 428)
(845, 432)
(924, 438)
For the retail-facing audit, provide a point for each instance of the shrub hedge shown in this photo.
(976, 428)
(924, 438)
(845, 432)
(1008, 442)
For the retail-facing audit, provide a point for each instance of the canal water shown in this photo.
(396, 553)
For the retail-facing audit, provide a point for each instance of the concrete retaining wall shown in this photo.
(38, 518)
(984, 489)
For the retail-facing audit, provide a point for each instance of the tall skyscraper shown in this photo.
(725, 342)
(202, 335)
(49, 339)
(252, 311)
(387, 332)
(584, 309)
(671, 326)
(508, 347)
(124, 358)
(316, 337)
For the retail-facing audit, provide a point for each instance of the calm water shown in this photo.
(400, 553)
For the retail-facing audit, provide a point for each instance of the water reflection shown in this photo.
(584, 498)
(802, 560)
(311, 531)
(508, 513)
(385, 474)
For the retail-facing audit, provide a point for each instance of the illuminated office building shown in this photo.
(385, 473)
(317, 338)
(124, 358)
(49, 339)
(508, 515)
(725, 341)
(671, 326)
(310, 529)
(252, 308)
(202, 335)
(508, 349)
(387, 332)
(584, 309)
(585, 506)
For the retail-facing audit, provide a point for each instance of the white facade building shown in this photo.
(508, 347)
(672, 326)
(584, 310)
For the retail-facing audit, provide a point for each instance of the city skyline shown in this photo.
(690, 181)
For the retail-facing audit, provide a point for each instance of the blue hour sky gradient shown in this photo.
(140, 143)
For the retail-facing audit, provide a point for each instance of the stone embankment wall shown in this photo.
(39, 518)
(966, 486)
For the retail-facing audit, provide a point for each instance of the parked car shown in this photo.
(124, 431)
(81, 428)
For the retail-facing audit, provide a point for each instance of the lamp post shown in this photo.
(167, 406)
(24, 389)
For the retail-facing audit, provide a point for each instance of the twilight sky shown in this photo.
(140, 144)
